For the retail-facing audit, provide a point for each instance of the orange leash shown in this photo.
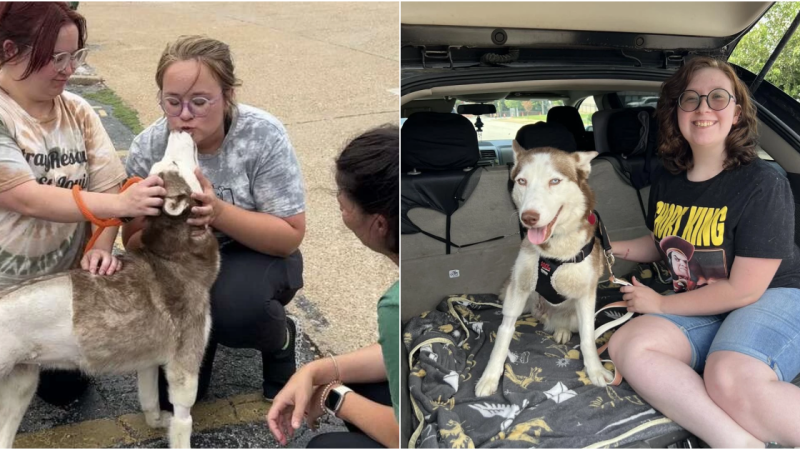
(102, 224)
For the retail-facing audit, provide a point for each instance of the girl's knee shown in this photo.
(615, 345)
(625, 343)
(629, 338)
(729, 382)
(642, 335)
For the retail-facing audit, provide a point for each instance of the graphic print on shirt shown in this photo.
(690, 240)
(53, 168)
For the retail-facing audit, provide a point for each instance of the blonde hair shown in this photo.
(214, 54)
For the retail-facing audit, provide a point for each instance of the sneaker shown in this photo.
(279, 366)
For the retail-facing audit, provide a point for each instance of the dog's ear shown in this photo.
(175, 206)
(518, 151)
(585, 160)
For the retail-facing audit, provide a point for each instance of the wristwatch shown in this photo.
(335, 398)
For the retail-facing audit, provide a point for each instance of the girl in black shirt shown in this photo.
(723, 220)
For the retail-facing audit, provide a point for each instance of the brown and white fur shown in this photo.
(552, 194)
(154, 312)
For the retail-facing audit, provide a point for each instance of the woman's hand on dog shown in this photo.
(290, 405)
(205, 214)
(641, 299)
(100, 262)
(143, 198)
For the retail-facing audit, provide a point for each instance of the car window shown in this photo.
(631, 99)
(511, 116)
(757, 45)
(586, 109)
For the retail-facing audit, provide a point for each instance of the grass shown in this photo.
(122, 112)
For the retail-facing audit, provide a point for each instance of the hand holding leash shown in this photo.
(135, 193)
(641, 299)
(143, 198)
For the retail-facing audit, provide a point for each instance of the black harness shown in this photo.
(548, 266)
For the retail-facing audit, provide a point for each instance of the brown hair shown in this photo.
(740, 145)
(214, 54)
(36, 25)
(368, 172)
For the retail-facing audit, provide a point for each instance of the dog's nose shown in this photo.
(530, 218)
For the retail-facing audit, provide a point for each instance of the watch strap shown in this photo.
(340, 392)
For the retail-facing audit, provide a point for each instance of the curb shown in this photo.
(84, 80)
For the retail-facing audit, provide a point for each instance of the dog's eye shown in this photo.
(522, 181)
(554, 181)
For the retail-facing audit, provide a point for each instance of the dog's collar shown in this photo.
(585, 251)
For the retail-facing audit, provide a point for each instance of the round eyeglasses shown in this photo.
(718, 99)
(197, 106)
(61, 60)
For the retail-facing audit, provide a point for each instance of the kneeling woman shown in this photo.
(367, 175)
(253, 199)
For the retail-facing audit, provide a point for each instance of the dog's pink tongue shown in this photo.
(536, 235)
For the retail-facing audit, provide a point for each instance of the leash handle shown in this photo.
(602, 329)
(102, 224)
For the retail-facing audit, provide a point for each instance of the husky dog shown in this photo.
(154, 312)
(559, 261)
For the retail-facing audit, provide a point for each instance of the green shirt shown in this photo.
(389, 338)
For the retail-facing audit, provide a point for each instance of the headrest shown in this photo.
(433, 141)
(633, 131)
(567, 116)
(542, 134)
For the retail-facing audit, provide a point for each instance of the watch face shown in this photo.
(332, 400)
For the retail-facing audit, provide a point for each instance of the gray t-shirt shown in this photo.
(255, 168)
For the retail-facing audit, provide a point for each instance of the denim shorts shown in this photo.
(768, 330)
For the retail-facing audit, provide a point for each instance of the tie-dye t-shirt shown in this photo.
(255, 168)
(71, 147)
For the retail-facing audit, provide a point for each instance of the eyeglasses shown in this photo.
(198, 106)
(61, 60)
(718, 99)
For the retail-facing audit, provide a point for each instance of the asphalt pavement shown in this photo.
(328, 71)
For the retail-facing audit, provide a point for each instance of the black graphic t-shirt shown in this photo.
(700, 226)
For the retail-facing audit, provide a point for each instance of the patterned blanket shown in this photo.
(544, 398)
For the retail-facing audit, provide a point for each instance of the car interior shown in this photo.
(461, 232)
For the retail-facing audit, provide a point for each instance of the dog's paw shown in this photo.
(158, 419)
(600, 376)
(562, 336)
(487, 385)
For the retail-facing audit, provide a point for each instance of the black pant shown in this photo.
(61, 387)
(247, 307)
(247, 311)
(355, 438)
